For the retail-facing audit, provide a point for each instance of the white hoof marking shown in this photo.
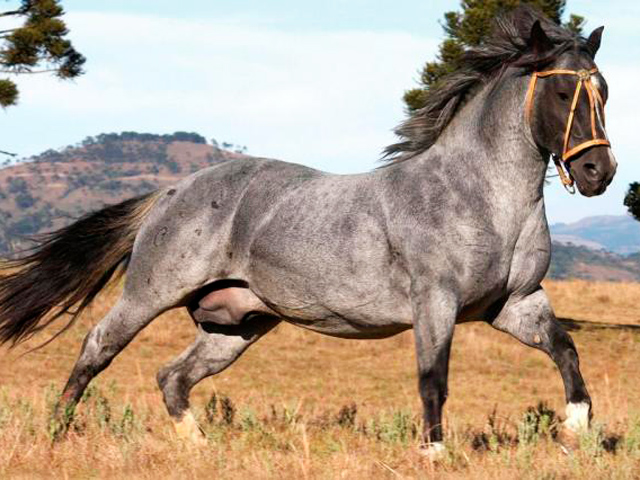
(433, 451)
(188, 429)
(577, 417)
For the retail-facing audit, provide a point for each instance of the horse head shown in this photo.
(565, 110)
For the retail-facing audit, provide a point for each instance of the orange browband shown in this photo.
(595, 100)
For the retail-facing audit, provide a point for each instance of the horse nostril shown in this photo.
(591, 169)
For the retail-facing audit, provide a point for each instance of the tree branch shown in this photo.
(13, 12)
(23, 72)
(8, 153)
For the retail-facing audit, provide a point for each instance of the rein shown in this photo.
(595, 100)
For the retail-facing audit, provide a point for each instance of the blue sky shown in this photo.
(318, 83)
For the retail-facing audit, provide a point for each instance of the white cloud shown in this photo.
(318, 98)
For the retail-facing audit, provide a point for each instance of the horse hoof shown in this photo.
(188, 429)
(61, 421)
(433, 451)
(58, 429)
(569, 440)
(577, 422)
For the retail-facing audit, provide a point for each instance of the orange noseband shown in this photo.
(595, 101)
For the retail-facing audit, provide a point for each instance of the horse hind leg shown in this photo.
(103, 342)
(215, 348)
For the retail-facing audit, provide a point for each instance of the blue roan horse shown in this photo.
(451, 229)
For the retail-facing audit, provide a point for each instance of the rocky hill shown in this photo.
(51, 189)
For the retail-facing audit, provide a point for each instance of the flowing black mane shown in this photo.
(507, 46)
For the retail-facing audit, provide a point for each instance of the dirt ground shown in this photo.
(301, 405)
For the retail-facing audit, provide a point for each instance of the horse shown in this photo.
(450, 229)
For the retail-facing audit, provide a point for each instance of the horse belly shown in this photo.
(227, 306)
(344, 328)
(354, 314)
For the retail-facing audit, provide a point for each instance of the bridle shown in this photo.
(595, 100)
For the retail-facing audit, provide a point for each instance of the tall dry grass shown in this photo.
(300, 405)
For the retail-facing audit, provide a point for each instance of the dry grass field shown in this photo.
(299, 405)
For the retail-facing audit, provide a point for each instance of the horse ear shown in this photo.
(538, 42)
(594, 40)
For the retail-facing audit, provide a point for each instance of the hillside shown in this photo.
(615, 233)
(49, 190)
(572, 261)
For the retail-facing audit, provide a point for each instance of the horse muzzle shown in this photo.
(593, 170)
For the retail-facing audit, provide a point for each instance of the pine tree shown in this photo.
(469, 28)
(38, 44)
(632, 200)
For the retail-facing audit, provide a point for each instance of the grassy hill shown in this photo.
(50, 190)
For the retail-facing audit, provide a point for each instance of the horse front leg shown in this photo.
(435, 317)
(531, 320)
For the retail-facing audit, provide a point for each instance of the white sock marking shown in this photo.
(577, 417)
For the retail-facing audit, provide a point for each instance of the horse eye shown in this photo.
(563, 96)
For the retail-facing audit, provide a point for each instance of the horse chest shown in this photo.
(487, 262)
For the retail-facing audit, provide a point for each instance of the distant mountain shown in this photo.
(571, 261)
(619, 234)
(51, 189)
(605, 247)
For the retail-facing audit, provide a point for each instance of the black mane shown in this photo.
(507, 46)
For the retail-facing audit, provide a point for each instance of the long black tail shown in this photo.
(68, 267)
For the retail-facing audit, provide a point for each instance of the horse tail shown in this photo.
(68, 267)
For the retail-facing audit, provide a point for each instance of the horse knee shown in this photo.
(529, 319)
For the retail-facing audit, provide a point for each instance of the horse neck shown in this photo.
(491, 144)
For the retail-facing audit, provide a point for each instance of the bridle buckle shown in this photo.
(584, 74)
